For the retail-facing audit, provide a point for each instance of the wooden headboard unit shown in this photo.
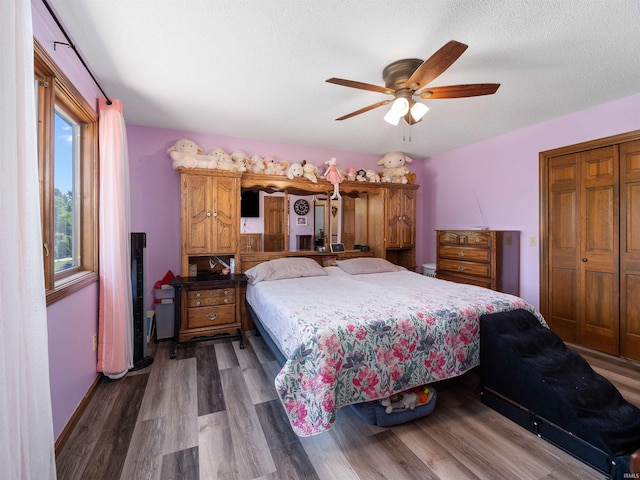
(248, 260)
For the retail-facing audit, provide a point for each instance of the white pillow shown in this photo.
(292, 267)
(356, 266)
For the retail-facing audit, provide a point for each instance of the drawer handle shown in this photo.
(198, 303)
(226, 300)
(197, 294)
(212, 316)
(477, 240)
(226, 292)
(461, 254)
(461, 269)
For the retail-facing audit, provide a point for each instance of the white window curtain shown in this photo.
(115, 336)
(26, 426)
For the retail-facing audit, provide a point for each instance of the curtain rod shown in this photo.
(73, 47)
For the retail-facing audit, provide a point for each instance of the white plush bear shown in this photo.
(394, 170)
(372, 176)
(400, 401)
(310, 172)
(186, 153)
(257, 164)
(295, 170)
(225, 162)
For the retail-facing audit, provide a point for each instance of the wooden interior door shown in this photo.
(599, 249)
(630, 249)
(273, 224)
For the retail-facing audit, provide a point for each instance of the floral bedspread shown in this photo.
(356, 338)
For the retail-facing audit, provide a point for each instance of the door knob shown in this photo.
(584, 259)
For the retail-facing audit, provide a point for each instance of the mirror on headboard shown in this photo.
(293, 219)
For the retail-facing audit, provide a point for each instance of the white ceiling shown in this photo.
(257, 68)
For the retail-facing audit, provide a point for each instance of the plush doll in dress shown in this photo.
(333, 176)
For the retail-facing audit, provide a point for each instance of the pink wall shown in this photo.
(504, 173)
(155, 189)
(72, 321)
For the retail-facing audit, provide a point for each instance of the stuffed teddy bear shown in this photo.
(361, 175)
(270, 165)
(400, 401)
(372, 176)
(256, 164)
(394, 170)
(295, 170)
(351, 174)
(186, 153)
(310, 172)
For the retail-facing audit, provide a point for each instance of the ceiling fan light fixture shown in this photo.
(399, 109)
(418, 110)
(392, 117)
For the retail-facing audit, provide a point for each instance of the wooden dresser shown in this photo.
(487, 258)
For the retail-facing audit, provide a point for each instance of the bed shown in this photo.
(363, 330)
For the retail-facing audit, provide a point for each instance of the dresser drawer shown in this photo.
(218, 296)
(211, 316)
(450, 238)
(467, 268)
(466, 253)
(480, 239)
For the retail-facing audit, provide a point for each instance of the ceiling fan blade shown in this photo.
(432, 67)
(360, 85)
(458, 91)
(365, 109)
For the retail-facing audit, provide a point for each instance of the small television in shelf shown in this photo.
(250, 204)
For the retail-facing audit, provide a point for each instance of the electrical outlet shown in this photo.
(95, 342)
(533, 241)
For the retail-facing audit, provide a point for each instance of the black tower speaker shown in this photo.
(140, 357)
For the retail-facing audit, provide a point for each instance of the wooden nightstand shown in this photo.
(208, 308)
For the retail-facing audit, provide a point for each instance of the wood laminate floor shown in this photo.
(212, 413)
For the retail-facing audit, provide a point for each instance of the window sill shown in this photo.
(71, 285)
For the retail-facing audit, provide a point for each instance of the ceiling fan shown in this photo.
(405, 78)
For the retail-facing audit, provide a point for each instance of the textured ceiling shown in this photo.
(257, 69)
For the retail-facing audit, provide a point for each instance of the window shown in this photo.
(67, 151)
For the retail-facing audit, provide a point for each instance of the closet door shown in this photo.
(599, 249)
(630, 249)
(563, 293)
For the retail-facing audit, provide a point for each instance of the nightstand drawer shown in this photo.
(218, 296)
(482, 255)
(210, 316)
(467, 268)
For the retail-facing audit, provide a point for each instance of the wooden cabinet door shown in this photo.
(599, 249)
(401, 215)
(273, 224)
(630, 249)
(197, 214)
(209, 214)
(225, 216)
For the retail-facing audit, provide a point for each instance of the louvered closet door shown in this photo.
(630, 249)
(599, 249)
